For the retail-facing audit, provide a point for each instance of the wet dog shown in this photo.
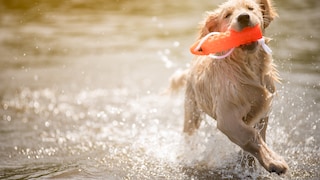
(236, 91)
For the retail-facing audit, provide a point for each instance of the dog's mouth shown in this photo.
(251, 47)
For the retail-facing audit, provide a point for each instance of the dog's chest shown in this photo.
(214, 84)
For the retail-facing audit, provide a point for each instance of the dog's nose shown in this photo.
(244, 19)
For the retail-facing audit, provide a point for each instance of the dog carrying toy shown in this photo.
(215, 42)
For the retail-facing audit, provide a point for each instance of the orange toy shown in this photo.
(223, 41)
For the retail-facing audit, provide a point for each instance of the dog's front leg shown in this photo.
(230, 122)
(262, 127)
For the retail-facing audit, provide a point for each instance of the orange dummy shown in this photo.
(222, 41)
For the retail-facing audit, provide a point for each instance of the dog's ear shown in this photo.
(209, 25)
(268, 11)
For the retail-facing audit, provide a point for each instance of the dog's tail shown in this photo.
(177, 81)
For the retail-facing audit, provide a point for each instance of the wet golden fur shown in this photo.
(236, 91)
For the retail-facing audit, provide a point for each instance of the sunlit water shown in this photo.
(80, 93)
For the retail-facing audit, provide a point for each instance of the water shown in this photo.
(81, 83)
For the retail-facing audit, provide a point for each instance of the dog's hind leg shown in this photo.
(192, 114)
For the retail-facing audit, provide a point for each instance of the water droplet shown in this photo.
(115, 123)
(8, 118)
(167, 51)
(176, 43)
(310, 140)
(36, 105)
(5, 106)
(36, 77)
(154, 19)
(47, 123)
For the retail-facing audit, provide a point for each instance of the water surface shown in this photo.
(81, 83)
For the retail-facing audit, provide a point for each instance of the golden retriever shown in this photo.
(236, 91)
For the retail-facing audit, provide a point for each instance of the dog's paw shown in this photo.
(272, 162)
(279, 167)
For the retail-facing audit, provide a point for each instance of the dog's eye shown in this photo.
(227, 15)
(250, 8)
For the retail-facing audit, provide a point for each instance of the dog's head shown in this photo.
(238, 14)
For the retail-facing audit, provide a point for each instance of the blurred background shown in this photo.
(81, 83)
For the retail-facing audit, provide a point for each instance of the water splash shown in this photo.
(115, 131)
